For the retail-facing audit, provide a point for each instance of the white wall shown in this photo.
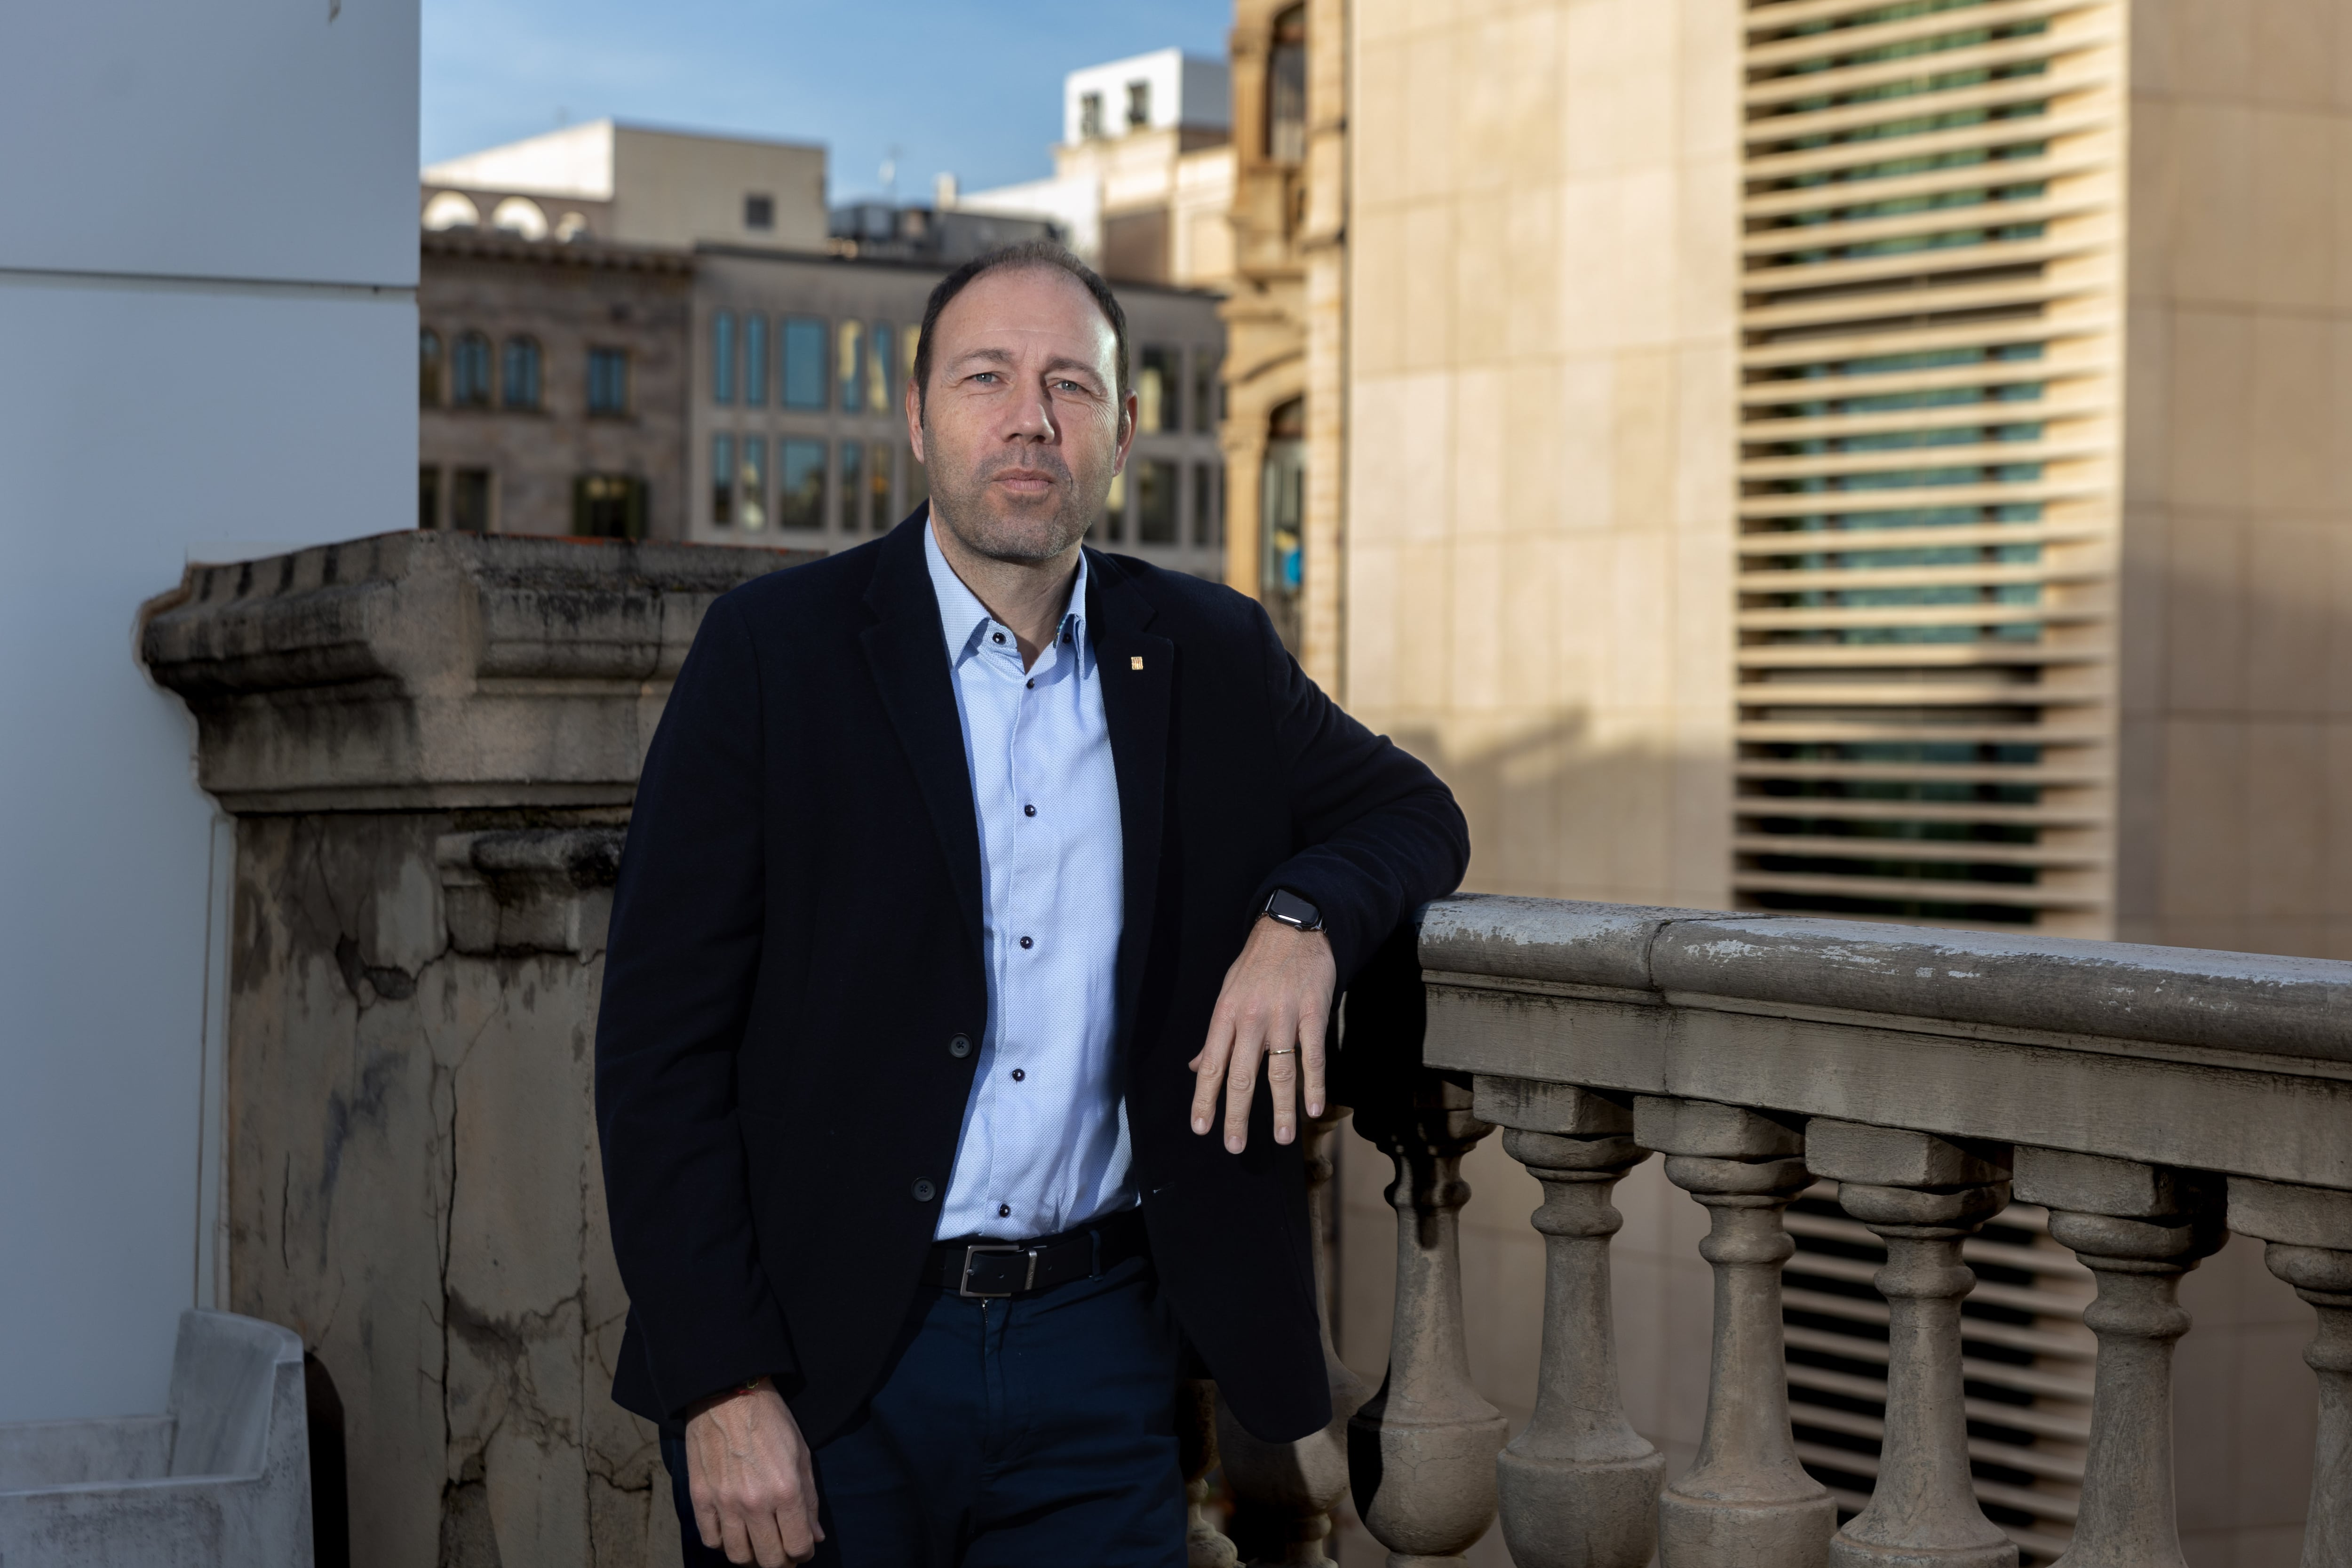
(207, 314)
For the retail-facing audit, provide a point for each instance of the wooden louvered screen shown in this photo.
(2025, 1355)
(1930, 482)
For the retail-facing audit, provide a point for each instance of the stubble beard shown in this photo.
(990, 521)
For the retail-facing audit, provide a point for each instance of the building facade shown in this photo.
(1870, 460)
(1286, 396)
(551, 387)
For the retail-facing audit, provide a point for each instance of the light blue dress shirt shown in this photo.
(1045, 1144)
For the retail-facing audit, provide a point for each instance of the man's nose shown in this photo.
(1033, 418)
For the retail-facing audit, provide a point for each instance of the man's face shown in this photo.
(1024, 428)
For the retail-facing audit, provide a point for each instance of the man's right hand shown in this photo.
(747, 1472)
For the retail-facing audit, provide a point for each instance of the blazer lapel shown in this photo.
(908, 655)
(1138, 675)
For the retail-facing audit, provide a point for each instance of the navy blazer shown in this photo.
(796, 944)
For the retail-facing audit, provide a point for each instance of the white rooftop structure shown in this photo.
(1164, 90)
(662, 187)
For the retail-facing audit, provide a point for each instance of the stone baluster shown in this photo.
(2309, 1233)
(1285, 1491)
(2139, 1228)
(1420, 1452)
(1744, 1502)
(1196, 1451)
(1922, 1196)
(1579, 1486)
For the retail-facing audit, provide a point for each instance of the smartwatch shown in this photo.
(1293, 911)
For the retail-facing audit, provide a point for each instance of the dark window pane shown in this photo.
(1090, 115)
(1282, 514)
(853, 488)
(608, 381)
(1115, 508)
(755, 361)
(469, 501)
(1208, 516)
(428, 369)
(804, 345)
(429, 498)
(1158, 405)
(878, 377)
(722, 357)
(877, 485)
(850, 356)
(521, 373)
(609, 506)
(758, 211)
(800, 484)
(1204, 390)
(469, 368)
(722, 481)
(751, 483)
(1155, 502)
(1286, 89)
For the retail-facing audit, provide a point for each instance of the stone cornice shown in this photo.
(435, 670)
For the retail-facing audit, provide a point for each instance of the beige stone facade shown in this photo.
(1848, 459)
(505, 454)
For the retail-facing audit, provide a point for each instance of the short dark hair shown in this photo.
(1028, 253)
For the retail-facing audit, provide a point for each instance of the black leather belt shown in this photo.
(980, 1269)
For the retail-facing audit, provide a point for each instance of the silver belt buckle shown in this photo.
(963, 1286)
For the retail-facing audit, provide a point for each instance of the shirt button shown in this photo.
(1028, 811)
(1018, 1074)
(1004, 1211)
(925, 1192)
(1027, 943)
(960, 1047)
(998, 636)
(1033, 686)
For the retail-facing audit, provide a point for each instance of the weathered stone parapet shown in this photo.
(435, 670)
(430, 741)
(1920, 1070)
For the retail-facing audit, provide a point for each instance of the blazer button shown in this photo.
(924, 1192)
(960, 1047)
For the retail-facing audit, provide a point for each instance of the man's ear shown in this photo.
(915, 418)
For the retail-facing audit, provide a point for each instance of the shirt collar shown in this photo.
(961, 614)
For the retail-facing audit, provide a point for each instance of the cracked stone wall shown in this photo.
(413, 1183)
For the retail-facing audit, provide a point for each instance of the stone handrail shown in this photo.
(2153, 1100)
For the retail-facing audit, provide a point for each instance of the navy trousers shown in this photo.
(1007, 1434)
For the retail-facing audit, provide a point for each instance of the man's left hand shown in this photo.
(1276, 1002)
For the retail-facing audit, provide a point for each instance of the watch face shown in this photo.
(1293, 911)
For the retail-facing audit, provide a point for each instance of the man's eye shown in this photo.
(1069, 386)
(982, 375)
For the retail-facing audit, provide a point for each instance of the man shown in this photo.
(969, 871)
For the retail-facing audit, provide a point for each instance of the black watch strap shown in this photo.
(1293, 911)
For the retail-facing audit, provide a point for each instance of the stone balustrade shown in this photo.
(2150, 1099)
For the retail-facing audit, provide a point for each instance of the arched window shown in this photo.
(469, 372)
(428, 368)
(1286, 89)
(519, 373)
(452, 209)
(520, 217)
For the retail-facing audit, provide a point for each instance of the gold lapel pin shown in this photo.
(1136, 662)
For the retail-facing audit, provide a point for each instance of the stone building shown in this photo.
(1849, 459)
(551, 387)
(1283, 446)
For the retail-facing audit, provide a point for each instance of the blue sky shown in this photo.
(955, 85)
